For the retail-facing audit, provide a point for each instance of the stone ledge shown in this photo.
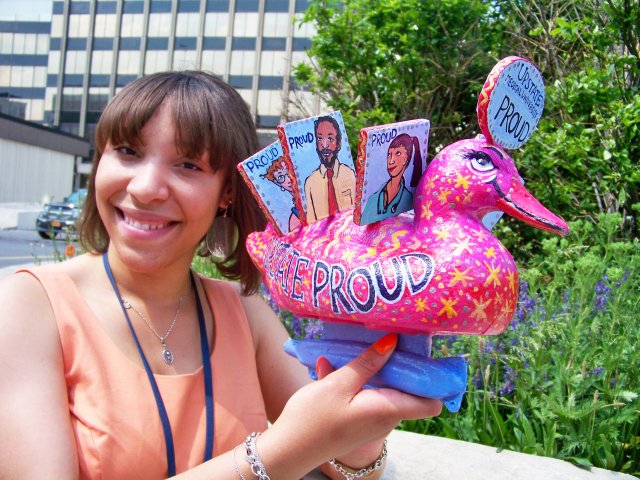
(422, 457)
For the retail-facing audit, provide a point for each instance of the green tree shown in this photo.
(380, 61)
(584, 159)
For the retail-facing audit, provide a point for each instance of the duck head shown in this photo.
(478, 177)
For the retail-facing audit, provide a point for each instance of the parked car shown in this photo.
(77, 197)
(56, 218)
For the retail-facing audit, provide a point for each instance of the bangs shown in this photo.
(196, 111)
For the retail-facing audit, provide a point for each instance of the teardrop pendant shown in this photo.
(167, 356)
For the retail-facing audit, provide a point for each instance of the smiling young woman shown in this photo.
(123, 363)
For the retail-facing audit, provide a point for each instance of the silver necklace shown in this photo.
(167, 355)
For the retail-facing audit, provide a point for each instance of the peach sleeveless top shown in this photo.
(113, 413)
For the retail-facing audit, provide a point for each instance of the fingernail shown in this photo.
(385, 344)
(318, 362)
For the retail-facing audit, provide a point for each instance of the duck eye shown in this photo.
(480, 161)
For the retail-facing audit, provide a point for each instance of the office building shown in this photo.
(63, 71)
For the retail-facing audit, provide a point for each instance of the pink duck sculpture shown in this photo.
(437, 271)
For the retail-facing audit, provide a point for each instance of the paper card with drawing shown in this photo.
(267, 176)
(391, 160)
(317, 153)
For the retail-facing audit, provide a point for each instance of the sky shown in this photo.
(25, 10)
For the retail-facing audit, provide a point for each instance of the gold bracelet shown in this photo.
(351, 473)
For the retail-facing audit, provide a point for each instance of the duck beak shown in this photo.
(519, 203)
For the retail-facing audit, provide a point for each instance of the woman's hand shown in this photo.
(336, 418)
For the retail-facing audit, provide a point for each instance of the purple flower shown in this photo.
(296, 326)
(313, 329)
(596, 371)
(603, 293)
(508, 386)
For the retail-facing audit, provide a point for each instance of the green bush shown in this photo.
(562, 380)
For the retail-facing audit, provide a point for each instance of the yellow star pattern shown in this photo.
(443, 196)
(493, 275)
(463, 245)
(462, 181)
(490, 253)
(421, 305)
(480, 235)
(459, 276)
(507, 309)
(430, 184)
(426, 213)
(348, 255)
(448, 307)
(479, 312)
(512, 280)
(443, 234)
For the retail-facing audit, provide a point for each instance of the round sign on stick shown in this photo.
(511, 102)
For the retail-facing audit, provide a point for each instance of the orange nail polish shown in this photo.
(385, 344)
(318, 362)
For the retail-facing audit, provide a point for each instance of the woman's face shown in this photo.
(397, 160)
(155, 203)
(281, 177)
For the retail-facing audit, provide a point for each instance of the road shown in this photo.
(19, 247)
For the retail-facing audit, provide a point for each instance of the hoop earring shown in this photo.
(222, 238)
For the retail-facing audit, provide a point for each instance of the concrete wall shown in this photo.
(30, 173)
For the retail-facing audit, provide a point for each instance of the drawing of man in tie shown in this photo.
(331, 187)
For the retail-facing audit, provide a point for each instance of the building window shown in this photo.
(242, 62)
(276, 24)
(159, 25)
(71, 99)
(155, 61)
(105, 26)
(214, 61)
(187, 24)
(98, 98)
(56, 26)
(78, 26)
(76, 62)
(273, 63)
(245, 25)
(131, 25)
(185, 60)
(128, 62)
(6, 43)
(216, 24)
(54, 62)
(42, 44)
(101, 62)
(35, 110)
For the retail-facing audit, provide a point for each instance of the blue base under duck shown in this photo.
(410, 369)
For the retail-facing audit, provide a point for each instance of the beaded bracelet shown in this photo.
(257, 467)
(351, 473)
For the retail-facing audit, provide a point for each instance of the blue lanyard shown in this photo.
(206, 365)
